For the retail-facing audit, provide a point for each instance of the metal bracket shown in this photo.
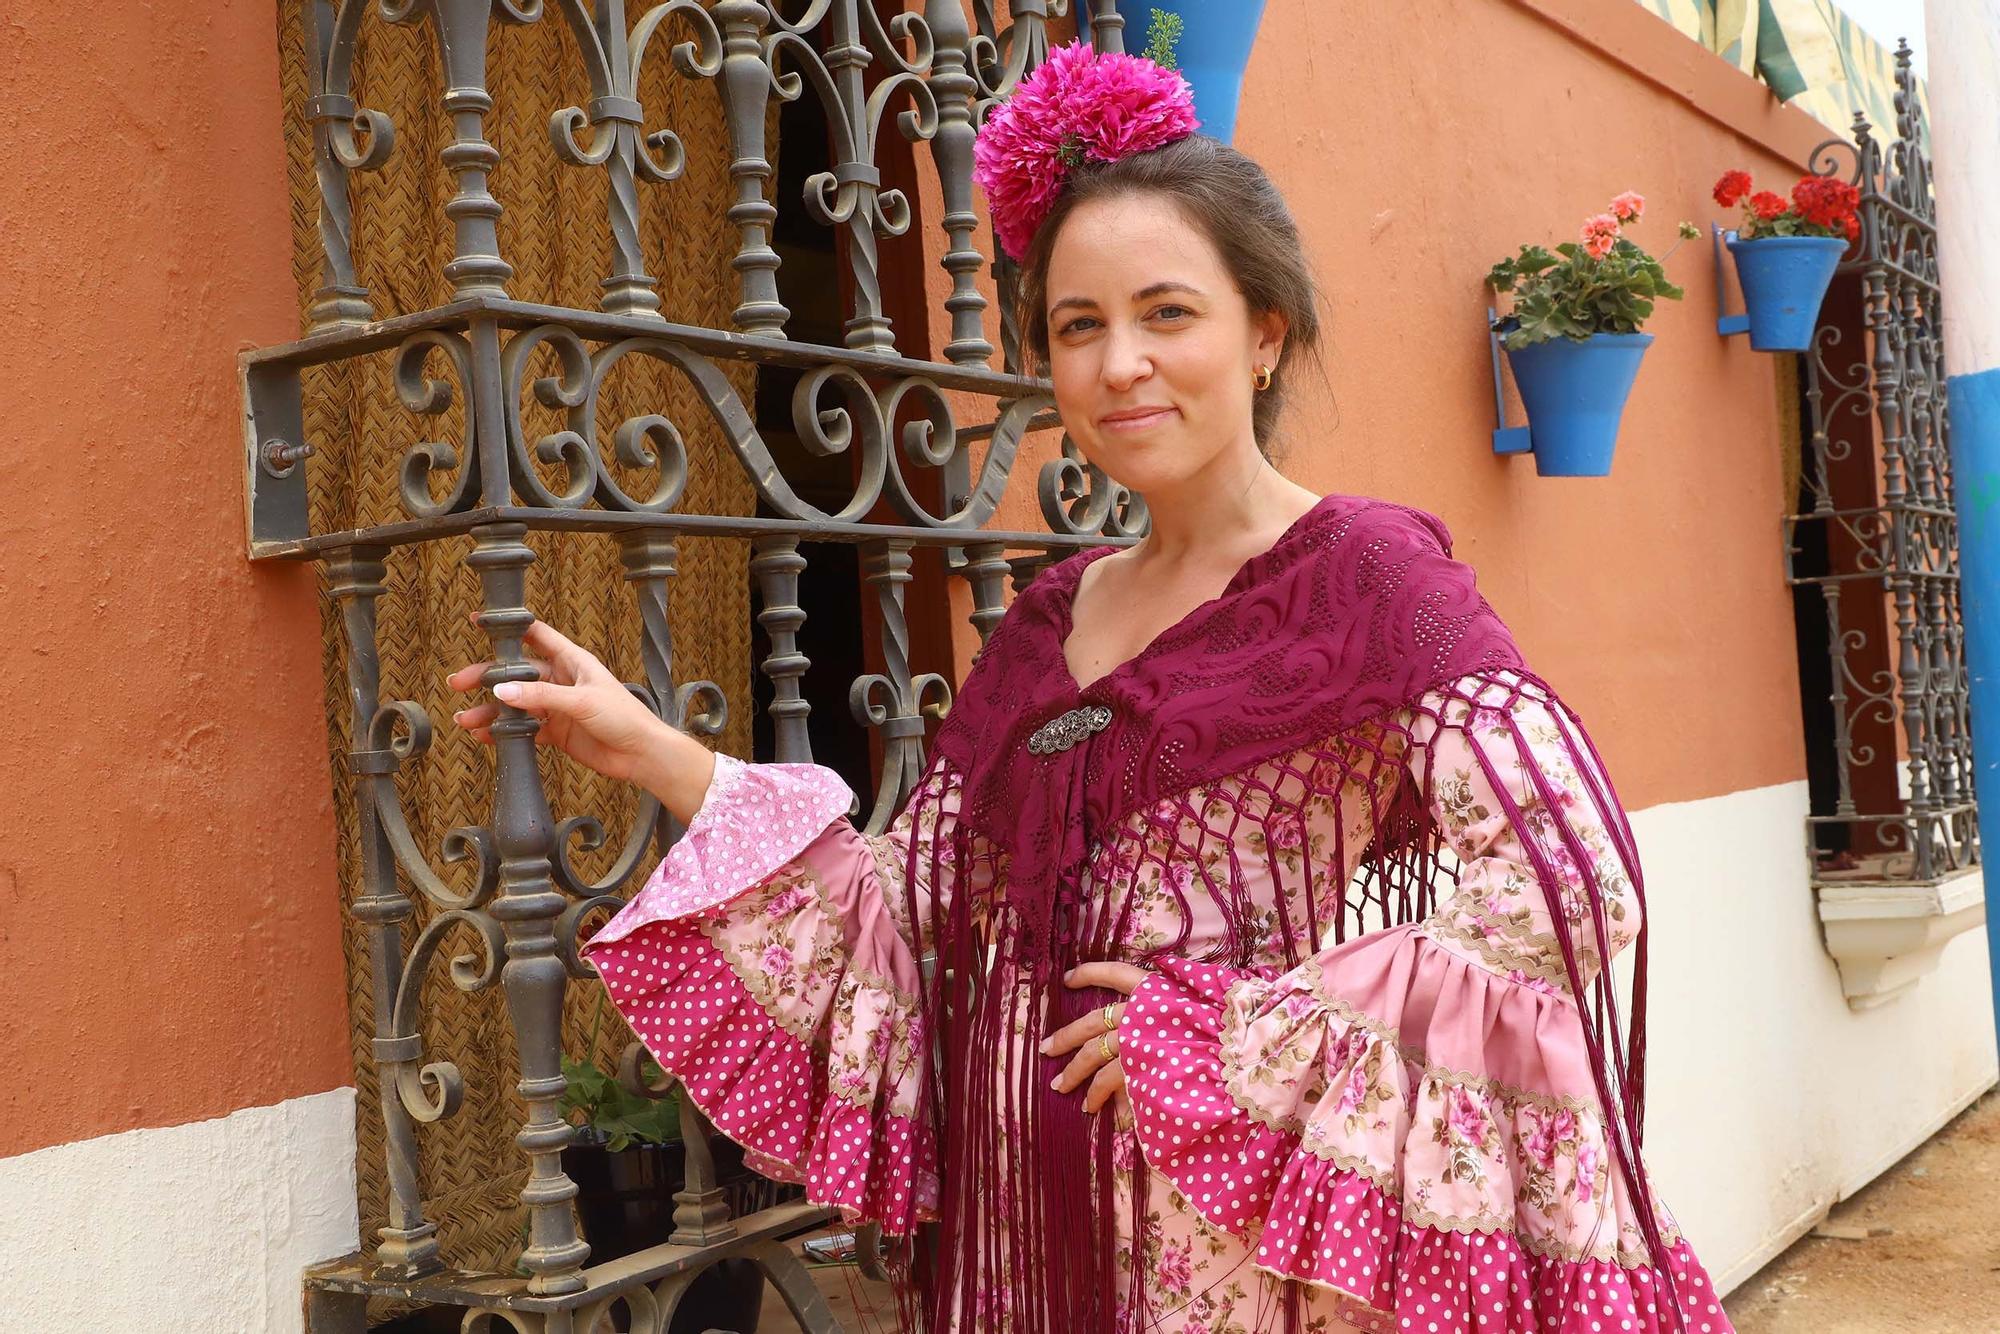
(1506, 439)
(273, 445)
(1726, 324)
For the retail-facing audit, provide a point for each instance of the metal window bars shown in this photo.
(927, 73)
(1877, 536)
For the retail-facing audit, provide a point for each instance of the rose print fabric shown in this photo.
(1402, 1128)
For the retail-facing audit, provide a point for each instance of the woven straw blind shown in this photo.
(554, 234)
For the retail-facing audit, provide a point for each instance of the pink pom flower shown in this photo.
(1077, 106)
(1599, 235)
(1629, 206)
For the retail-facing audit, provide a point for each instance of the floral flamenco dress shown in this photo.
(1377, 1075)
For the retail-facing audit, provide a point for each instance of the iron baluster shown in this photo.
(346, 137)
(526, 907)
(776, 565)
(407, 1245)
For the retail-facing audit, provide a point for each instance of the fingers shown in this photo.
(1109, 1081)
(1123, 978)
(478, 720)
(470, 676)
(1073, 1035)
(467, 677)
(552, 644)
(538, 697)
(1099, 1052)
(560, 659)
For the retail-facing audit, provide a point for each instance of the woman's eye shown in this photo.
(1078, 325)
(1172, 312)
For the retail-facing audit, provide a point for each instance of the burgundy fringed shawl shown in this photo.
(1355, 613)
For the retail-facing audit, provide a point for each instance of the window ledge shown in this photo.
(1887, 936)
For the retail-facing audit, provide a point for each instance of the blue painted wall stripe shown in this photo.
(1975, 463)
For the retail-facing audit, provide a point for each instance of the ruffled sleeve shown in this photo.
(765, 964)
(1410, 1118)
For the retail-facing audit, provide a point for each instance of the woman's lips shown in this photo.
(1134, 419)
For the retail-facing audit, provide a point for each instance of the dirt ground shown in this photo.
(1930, 1264)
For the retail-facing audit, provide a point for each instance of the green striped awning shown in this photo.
(1808, 51)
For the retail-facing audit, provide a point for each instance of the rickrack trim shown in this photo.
(1442, 927)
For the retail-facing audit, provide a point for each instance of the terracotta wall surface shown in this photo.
(169, 947)
(1419, 143)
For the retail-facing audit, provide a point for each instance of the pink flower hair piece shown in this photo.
(1077, 106)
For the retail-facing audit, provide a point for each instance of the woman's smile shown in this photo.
(1135, 419)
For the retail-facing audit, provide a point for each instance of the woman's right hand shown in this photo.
(593, 718)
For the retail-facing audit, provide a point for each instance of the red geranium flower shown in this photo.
(1767, 204)
(1824, 201)
(1732, 187)
(1853, 227)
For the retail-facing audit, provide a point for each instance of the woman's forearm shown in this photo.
(676, 768)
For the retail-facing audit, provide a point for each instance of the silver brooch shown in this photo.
(1065, 730)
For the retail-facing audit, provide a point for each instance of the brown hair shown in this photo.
(1237, 208)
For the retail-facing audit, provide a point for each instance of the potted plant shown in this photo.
(1786, 251)
(1573, 336)
(1218, 32)
(627, 1160)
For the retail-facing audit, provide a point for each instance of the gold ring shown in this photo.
(1110, 1019)
(1104, 1047)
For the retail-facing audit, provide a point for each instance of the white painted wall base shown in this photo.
(196, 1227)
(1769, 1099)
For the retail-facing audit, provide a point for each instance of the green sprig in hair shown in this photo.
(1163, 38)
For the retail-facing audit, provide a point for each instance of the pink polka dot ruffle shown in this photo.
(1313, 1219)
(760, 1085)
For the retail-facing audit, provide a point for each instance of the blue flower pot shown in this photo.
(1784, 278)
(1575, 393)
(1213, 51)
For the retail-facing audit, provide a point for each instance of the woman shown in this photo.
(1159, 1072)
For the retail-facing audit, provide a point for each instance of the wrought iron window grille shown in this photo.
(922, 481)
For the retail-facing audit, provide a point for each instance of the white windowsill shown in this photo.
(1885, 937)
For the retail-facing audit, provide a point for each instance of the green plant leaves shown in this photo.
(1571, 294)
(622, 1118)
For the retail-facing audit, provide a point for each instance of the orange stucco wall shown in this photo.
(1419, 143)
(169, 946)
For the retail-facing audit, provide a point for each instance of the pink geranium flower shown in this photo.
(1600, 233)
(1629, 206)
(1077, 106)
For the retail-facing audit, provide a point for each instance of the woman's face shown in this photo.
(1151, 348)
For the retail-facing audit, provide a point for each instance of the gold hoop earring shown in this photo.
(1262, 379)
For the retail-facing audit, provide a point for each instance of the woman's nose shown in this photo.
(1125, 360)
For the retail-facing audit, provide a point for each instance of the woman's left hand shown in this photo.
(1092, 1038)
